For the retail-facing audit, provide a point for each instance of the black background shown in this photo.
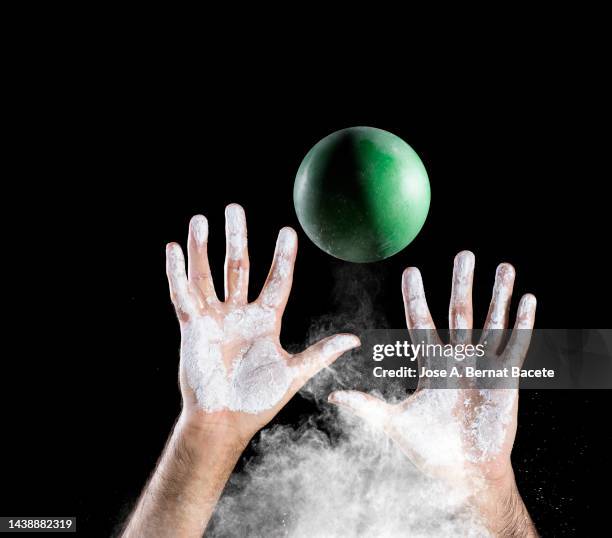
(91, 389)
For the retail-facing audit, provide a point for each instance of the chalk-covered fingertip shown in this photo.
(526, 312)
(234, 213)
(348, 398)
(287, 240)
(505, 271)
(528, 304)
(338, 396)
(465, 260)
(199, 229)
(341, 343)
(412, 284)
(235, 225)
(411, 276)
(174, 251)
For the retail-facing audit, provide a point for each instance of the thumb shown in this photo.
(370, 408)
(323, 353)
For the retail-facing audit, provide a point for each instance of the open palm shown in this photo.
(456, 433)
(233, 370)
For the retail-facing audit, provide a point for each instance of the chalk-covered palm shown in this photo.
(456, 433)
(233, 370)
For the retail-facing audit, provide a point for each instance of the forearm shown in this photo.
(185, 487)
(503, 511)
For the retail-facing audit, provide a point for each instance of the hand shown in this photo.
(234, 374)
(462, 435)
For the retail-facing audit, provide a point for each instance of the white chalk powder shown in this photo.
(249, 322)
(251, 375)
(461, 289)
(354, 399)
(260, 379)
(199, 225)
(234, 360)
(489, 424)
(235, 224)
(258, 375)
(272, 294)
(417, 304)
(431, 430)
(178, 281)
(373, 412)
(525, 312)
(442, 428)
(438, 434)
(203, 362)
(302, 484)
(502, 292)
(340, 343)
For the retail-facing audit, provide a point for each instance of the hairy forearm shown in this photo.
(503, 511)
(183, 491)
(514, 518)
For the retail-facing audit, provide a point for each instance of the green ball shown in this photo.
(361, 194)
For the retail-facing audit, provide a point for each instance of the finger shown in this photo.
(185, 303)
(316, 357)
(236, 255)
(197, 250)
(277, 287)
(497, 317)
(366, 406)
(419, 321)
(517, 347)
(322, 354)
(460, 317)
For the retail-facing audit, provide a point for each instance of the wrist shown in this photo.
(203, 433)
(501, 508)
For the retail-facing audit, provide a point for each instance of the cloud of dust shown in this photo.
(333, 475)
(356, 288)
